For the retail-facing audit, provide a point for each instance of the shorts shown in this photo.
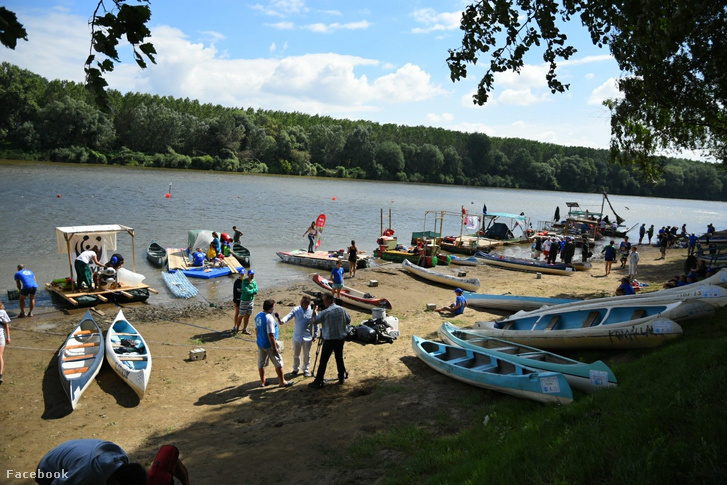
(246, 307)
(2, 336)
(266, 355)
(28, 291)
(336, 286)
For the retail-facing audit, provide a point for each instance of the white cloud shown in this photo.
(434, 21)
(530, 76)
(282, 25)
(607, 90)
(590, 76)
(586, 60)
(281, 8)
(272, 47)
(440, 118)
(327, 28)
(521, 97)
(212, 35)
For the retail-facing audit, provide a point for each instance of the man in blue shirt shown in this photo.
(692, 246)
(625, 288)
(267, 344)
(334, 322)
(303, 334)
(456, 308)
(27, 286)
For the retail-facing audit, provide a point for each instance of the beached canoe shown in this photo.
(355, 297)
(398, 256)
(580, 375)
(178, 284)
(156, 254)
(470, 284)
(512, 303)
(128, 355)
(242, 254)
(520, 264)
(460, 261)
(636, 326)
(80, 358)
(489, 372)
(321, 259)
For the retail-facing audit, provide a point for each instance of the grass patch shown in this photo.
(664, 423)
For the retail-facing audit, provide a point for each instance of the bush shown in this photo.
(73, 154)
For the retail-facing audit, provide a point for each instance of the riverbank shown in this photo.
(230, 429)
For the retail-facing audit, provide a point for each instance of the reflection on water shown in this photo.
(272, 211)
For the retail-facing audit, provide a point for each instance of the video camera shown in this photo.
(318, 301)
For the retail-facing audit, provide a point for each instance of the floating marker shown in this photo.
(168, 195)
(333, 198)
(58, 195)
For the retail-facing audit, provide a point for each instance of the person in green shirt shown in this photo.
(248, 290)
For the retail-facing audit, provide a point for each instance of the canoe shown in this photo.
(156, 254)
(354, 297)
(512, 303)
(580, 375)
(470, 284)
(321, 259)
(80, 358)
(459, 261)
(520, 264)
(242, 254)
(594, 327)
(179, 285)
(128, 355)
(398, 256)
(489, 372)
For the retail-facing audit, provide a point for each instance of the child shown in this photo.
(633, 261)
(4, 336)
(337, 279)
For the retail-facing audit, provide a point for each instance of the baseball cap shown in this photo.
(251, 272)
(458, 290)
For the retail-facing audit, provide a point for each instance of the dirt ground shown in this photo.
(230, 429)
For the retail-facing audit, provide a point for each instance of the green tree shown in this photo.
(391, 159)
(670, 51)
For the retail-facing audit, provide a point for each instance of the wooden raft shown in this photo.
(177, 259)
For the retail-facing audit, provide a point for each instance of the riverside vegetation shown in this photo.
(58, 121)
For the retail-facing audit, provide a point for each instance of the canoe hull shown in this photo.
(134, 368)
(320, 259)
(80, 358)
(156, 254)
(559, 269)
(503, 376)
(354, 297)
(469, 284)
(512, 303)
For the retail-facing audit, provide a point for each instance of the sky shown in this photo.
(383, 61)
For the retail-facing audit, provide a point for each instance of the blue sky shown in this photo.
(383, 61)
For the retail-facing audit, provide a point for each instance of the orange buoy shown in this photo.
(333, 198)
(168, 195)
(58, 195)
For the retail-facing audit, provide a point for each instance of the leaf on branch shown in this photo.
(10, 29)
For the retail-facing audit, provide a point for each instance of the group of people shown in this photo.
(94, 461)
(88, 278)
(554, 248)
(219, 248)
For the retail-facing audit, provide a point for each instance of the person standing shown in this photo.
(303, 334)
(89, 461)
(236, 294)
(650, 233)
(633, 261)
(642, 232)
(692, 244)
(27, 287)
(663, 242)
(352, 259)
(569, 250)
(266, 328)
(83, 268)
(624, 249)
(311, 232)
(236, 235)
(585, 249)
(4, 337)
(337, 279)
(248, 290)
(609, 255)
(334, 321)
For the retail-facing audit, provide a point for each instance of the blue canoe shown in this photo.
(580, 375)
(80, 358)
(489, 372)
(512, 303)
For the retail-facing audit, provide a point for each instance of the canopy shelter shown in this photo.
(501, 225)
(73, 240)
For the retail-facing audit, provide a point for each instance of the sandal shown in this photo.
(246, 332)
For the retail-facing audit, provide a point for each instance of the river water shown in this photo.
(272, 211)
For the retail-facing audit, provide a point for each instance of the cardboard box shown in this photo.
(197, 354)
(373, 283)
(431, 306)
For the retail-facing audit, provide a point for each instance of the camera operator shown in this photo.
(334, 321)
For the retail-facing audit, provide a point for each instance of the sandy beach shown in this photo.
(230, 429)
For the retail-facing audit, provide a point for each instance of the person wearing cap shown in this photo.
(248, 290)
(625, 288)
(456, 308)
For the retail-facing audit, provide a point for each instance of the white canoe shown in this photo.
(80, 358)
(128, 355)
(471, 261)
(469, 284)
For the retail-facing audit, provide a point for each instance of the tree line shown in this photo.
(59, 121)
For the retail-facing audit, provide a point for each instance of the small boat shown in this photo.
(399, 256)
(594, 327)
(460, 261)
(354, 297)
(128, 355)
(179, 285)
(470, 284)
(580, 375)
(242, 254)
(80, 358)
(512, 303)
(490, 372)
(206, 273)
(321, 259)
(525, 264)
(156, 254)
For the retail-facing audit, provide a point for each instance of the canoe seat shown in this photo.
(532, 355)
(638, 314)
(590, 320)
(507, 350)
(553, 322)
(508, 325)
(78, 357)
(484, 367)
(438, 353)
(458, 361)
